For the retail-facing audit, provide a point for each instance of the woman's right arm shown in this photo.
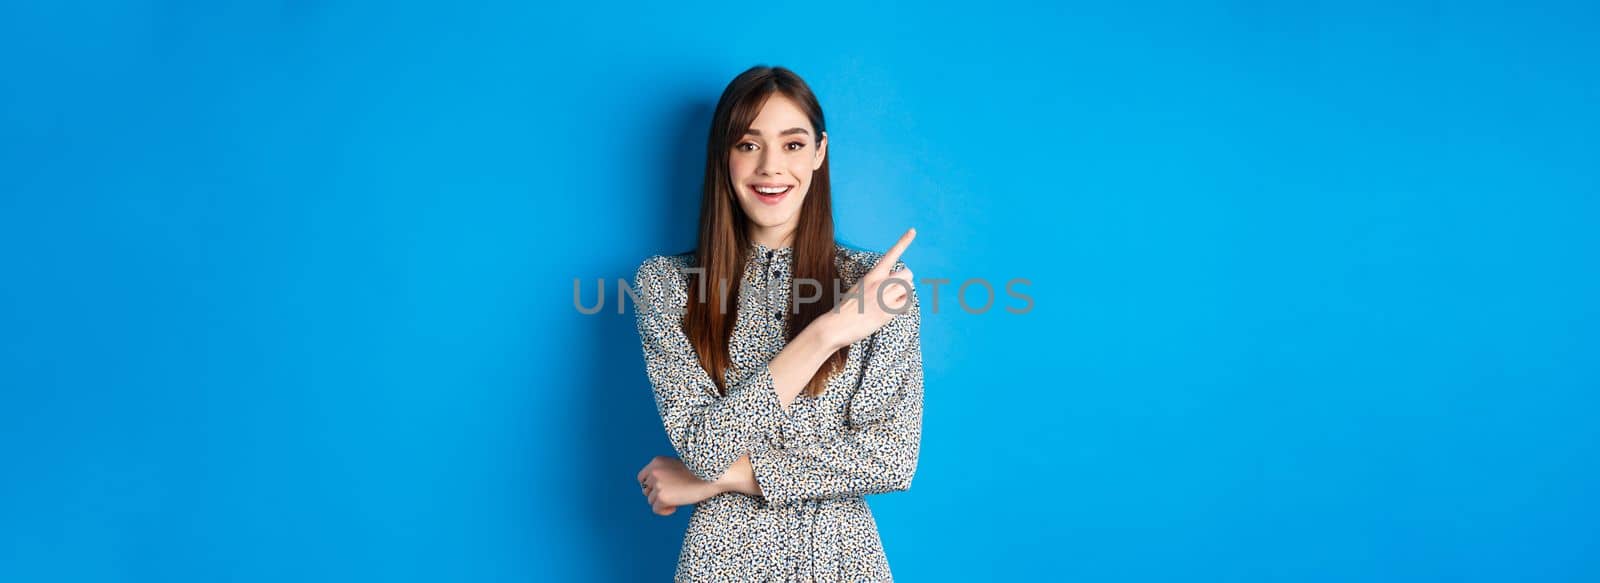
(707, 431)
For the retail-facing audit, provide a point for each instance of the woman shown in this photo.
(786, 397)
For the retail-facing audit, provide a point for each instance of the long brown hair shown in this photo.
(724, 238)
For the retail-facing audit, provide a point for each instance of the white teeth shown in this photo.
(771, 189)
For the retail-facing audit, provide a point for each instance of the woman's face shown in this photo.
(771, 168)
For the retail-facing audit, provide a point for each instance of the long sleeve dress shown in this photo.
(815, 461)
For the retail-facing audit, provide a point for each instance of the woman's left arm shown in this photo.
(878, 449)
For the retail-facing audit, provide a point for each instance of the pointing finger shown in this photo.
(893, 255)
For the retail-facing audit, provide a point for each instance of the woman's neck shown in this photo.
(772, 238)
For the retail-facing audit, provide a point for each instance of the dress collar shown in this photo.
(777, 253)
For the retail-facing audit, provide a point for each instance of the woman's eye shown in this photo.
(797, 146)
(745, 147)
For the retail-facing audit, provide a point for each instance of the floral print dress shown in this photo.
(815, 461)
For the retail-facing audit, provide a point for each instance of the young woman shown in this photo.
(787, 368)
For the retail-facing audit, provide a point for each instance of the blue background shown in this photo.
(287, 286)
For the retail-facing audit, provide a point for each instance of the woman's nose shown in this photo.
(769, 165)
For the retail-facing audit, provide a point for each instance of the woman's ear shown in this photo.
(822, 152)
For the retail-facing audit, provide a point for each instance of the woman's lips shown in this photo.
(772, 198)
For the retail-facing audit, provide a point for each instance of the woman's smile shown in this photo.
(771, 193)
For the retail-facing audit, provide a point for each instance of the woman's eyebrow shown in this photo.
(756, 132)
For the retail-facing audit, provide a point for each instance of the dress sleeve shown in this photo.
(877, 450)
(708, 431)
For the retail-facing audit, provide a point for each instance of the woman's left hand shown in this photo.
(668, 484)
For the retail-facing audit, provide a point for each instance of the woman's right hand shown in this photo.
(875, 299)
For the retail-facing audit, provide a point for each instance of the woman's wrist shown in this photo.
(719, 486)
(739, 478)
(824, 331)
